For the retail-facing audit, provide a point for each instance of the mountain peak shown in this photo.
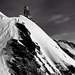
(28, 40)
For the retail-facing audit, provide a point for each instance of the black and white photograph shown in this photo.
(37, 37)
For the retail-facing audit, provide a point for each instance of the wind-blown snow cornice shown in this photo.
(49, 48)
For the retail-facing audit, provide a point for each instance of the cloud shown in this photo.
(55, 17)
(62, 20)
(59, 36)
(59, 19)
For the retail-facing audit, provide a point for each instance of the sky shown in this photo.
(55, 17)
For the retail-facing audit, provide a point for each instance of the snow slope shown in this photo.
(51, 53)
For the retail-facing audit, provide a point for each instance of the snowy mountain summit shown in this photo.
(27, 50)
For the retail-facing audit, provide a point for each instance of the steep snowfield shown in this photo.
(51, 53)
(48, 47)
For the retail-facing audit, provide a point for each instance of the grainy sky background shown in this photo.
(55, 17)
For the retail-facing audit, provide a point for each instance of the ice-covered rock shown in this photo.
(28, 35)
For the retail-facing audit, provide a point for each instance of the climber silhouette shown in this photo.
(26, 12)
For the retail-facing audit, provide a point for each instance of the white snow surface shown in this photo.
(49, 48)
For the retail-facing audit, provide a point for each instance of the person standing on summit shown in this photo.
(26, 12)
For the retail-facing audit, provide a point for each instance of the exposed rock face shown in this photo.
(67, 47)
(23, 61)
(28, 50)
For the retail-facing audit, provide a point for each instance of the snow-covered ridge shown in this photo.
(68, 46)
(51, 55)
